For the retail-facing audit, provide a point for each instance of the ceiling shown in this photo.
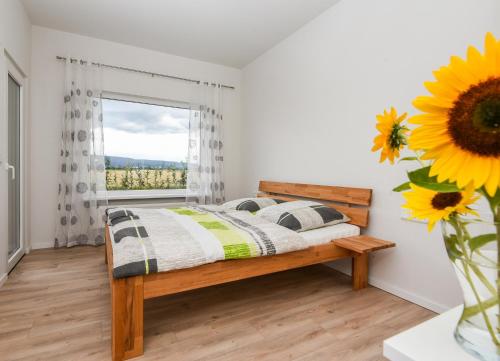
(229, 32)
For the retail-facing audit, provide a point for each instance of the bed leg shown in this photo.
(105, 255)
(127, 317)
(360, 271)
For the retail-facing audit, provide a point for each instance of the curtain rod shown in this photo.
(73, 60)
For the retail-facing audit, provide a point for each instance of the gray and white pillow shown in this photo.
(250, 204)
(302, 215)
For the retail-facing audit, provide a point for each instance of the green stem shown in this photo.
(419, 160)
(475, 309)
(494, 202)
(491, 262)
(496, 218)
(465, 264)
(484, 280)
(480, 305)
(474, 268)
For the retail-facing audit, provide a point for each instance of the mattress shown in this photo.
(324, 235)
(148, 240)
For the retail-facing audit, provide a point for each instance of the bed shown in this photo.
(131, 285)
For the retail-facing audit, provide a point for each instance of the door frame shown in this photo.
(13, 71)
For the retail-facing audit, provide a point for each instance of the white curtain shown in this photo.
(205, 182)
(82, 187)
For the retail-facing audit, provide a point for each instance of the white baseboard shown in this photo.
(42, 244)
(3, 278)
(409, 296)
(404, 294)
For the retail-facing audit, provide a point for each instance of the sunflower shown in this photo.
(434, 206)
(392, 135)
(460, 125)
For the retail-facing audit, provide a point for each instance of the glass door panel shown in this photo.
(15, 249)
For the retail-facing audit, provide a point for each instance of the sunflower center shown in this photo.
(487, 114)
(443, 200)
(474, 119)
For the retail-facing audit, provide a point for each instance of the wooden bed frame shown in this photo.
(128, 294)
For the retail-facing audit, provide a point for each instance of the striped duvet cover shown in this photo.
(145, 240)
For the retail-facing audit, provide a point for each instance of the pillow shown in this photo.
(251, 204)
(302, 215)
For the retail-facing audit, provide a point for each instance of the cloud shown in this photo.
(140, 118)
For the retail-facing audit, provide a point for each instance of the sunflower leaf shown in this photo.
(407, 159)
(480, 241)
(421, 178)
(402, 187)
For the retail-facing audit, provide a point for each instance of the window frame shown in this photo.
(143, 194)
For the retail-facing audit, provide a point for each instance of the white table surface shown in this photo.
(432, 340)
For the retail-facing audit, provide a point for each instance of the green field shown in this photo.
(139, 179)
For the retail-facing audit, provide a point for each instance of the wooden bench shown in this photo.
(128, 294)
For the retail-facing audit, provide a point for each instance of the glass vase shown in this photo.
(472, 246)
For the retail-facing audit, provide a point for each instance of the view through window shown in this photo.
(146, 145)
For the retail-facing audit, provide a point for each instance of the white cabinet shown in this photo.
(432, 340)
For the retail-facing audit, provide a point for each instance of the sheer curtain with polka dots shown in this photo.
(82, 186)
(205, 179)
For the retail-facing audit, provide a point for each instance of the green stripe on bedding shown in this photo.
(234, 242)
(213, 225)
(184, 211)
(234, 251)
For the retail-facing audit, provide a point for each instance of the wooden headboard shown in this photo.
(353, 202)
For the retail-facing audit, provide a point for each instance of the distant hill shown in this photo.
(123, 162)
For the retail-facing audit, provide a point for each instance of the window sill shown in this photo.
(147, 194)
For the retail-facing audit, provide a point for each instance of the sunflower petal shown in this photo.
(445, 76)
(432, 105)
(462, 71)
(465, 177)
(490, 54)
(493, 182)
(449, 170)
(427, 118)
(438, 90)
(481, 171)
(476, 63)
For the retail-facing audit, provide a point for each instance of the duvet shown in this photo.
(145, 240)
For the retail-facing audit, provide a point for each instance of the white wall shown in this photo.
(47, 93)
(309, 108)
(15, 32)
(15, 47)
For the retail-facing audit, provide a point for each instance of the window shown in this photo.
(146, 149)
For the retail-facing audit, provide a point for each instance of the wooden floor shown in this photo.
(56, 306)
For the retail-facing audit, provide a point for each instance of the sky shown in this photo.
(145, 131)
